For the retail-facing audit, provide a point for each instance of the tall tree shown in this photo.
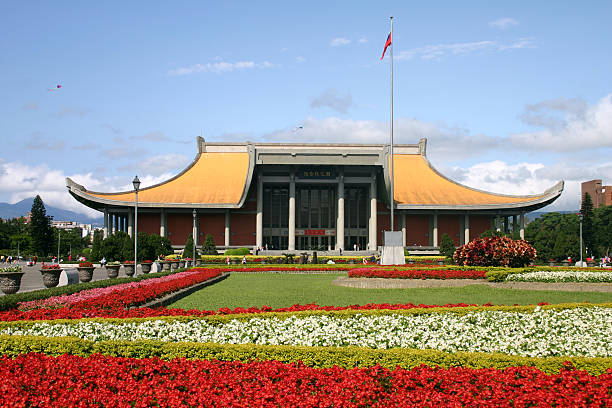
(96, 245)
(40, 228)
(586, 209)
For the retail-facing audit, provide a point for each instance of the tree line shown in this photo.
(557, 236)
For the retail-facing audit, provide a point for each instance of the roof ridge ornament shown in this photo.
(423, 146)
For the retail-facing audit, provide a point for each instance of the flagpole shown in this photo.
(392, 201)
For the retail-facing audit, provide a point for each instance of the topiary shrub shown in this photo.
(209, 247)
(238, 251)
(495, 251)
(447, 246)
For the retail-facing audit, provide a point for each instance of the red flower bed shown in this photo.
(71, 313)
(39, 380)
(432, 273)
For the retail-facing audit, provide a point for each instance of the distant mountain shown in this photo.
(22, 208)
(537, 214)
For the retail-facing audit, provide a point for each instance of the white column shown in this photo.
(130, 228)
(114, 223)
(498, 223)
(373, 215)
(292, 211)
(196, 228)
(163, 221)
(435, 230)
(466, 225)
(227, 228)
(522, 221)
(105, 223)
(403, 229)
(259, 217)
(340, 216)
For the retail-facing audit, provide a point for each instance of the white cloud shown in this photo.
(503, 23)
(220, 67)
(443, 141)
(338, 42)
(581, 129)
(546, 113)
(517, 179)
(363, 40)
(299, 59)
(330, 98)
(437, 51)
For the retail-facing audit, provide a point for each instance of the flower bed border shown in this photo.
(317, 357)
(174, 296)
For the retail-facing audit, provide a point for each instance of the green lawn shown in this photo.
(282, 290)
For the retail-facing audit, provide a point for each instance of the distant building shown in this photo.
(601, 195)
(68, 225)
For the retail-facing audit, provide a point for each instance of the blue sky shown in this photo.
(512, 96)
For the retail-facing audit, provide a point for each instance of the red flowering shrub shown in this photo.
(495, 251)
(432, 273)
(37, 380)
(49, 266)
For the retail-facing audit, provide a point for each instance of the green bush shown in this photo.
(238, 251)
(447, 246)
(318, 357)
(209, 247)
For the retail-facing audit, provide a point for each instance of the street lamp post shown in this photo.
(193, 262)
(136, 184)
(59, 240)
(580, 216)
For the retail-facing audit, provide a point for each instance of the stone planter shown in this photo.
(181, 263)
(85, 273)
(551, 264)
(198, 262)
(590, 264)
(112, 271)
(10, 282)
(145, 267)
(50, 277)
(166, 266)
(175, 264)
(565, 263)
(129, 269)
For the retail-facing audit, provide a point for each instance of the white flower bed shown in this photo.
(569, 332)
(561, 276)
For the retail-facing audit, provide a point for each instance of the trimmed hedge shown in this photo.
(318, 357)
(238, 251)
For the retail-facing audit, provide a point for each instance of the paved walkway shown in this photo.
(382, 283)
(32, 279)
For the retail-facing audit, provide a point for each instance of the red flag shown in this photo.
(388, 43)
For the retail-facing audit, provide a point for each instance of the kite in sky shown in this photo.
(297, 128)
(57, 87)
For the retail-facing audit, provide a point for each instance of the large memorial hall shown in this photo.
(327, 197)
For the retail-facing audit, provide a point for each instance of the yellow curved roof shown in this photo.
(214, 178)
(417, 183)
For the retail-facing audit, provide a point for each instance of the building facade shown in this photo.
(311, 196)
(600, 195)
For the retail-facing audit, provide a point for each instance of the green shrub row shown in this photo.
(319, 357)
(11, 301)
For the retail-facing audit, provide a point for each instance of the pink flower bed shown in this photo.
(92, 294)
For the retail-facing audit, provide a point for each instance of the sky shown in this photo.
(512, 96)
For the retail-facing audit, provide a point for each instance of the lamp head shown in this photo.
(136, 183)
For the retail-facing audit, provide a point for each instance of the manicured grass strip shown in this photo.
(318, 357)
(279, 290)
